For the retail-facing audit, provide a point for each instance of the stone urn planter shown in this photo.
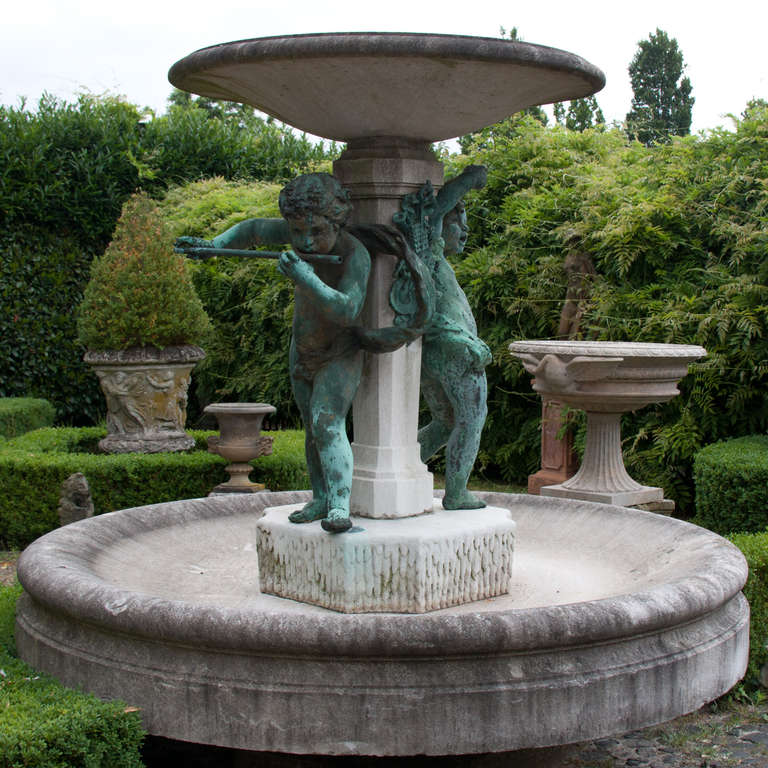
(146, 393)
(239, 442)
(605, 379)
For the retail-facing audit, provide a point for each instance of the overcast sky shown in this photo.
(63, 46)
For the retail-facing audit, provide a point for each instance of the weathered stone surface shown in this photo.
(410, 565)
(146, 393)
(417, 86)
(239, 442)
(558, 459)
(629, 617)
(75, 502)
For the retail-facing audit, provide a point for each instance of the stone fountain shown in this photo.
(612, 619)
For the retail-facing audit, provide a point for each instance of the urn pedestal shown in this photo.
(146, 393)
(240, 441)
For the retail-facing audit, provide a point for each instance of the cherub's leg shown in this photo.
(335, 387)
(318, 507)
(467, 394)
(434, 435)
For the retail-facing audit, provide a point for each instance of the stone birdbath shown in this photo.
(240, 441)
(605, 379)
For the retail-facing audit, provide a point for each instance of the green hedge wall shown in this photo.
(23, 414)
(44, 725)
(755, 549)
(731, 480)
(42, 277)
(67, 169)
(33, 467)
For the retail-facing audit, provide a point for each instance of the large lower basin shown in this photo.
(616, 619)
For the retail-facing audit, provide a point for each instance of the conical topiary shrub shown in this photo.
(139, 319)
(140, 293)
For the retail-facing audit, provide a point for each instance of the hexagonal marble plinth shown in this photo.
(407, 565)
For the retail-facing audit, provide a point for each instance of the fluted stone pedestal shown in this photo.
(411, 565)
(602, 476)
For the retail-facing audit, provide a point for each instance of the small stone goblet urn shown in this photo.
(240, 441)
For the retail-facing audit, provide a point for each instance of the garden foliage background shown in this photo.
(678, 234)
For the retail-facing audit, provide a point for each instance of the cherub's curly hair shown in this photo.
(315, 193)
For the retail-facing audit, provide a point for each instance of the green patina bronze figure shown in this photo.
(453, 357)
(330, 269)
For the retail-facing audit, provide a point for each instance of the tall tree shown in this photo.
(661, 101)
(581, 114)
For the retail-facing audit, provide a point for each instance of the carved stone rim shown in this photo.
(710, 573)
(244, 409)
(449, 84)
(330, 44)
(185, 353)
(626, 349)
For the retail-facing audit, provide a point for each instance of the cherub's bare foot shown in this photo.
(463, 500)
(337, 521)
(314, 510)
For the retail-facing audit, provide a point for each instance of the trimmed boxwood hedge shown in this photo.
(33, 467)
(731, 479)
(23, 414)
(44, 725)
(755, 549)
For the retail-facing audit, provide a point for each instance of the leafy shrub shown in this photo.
(67, 170)
(190, 143)
(140, 293)
(44, 725)
(23, 414)
(249, 302)
(732, 485)
(33, 467)
(755, 549)
(677, 234)
(42, 276)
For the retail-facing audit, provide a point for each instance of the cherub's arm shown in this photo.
(472, 177)
(243, 235)
(252, 232)
(344, 303)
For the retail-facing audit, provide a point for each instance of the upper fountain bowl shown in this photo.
(355, 85)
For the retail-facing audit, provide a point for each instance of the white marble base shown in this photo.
(390, 482)
(643, 494)
(406, 565)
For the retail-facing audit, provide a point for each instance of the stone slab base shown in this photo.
(406, 565)
(661, 507)
(644, 494)
(545, 477)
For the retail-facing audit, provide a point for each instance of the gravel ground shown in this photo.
(717, 736)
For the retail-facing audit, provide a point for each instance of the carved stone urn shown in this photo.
(240, 441)
(146, 393)
(605, 379)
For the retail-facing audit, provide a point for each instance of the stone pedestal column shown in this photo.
(389, 478)
(558, 460)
